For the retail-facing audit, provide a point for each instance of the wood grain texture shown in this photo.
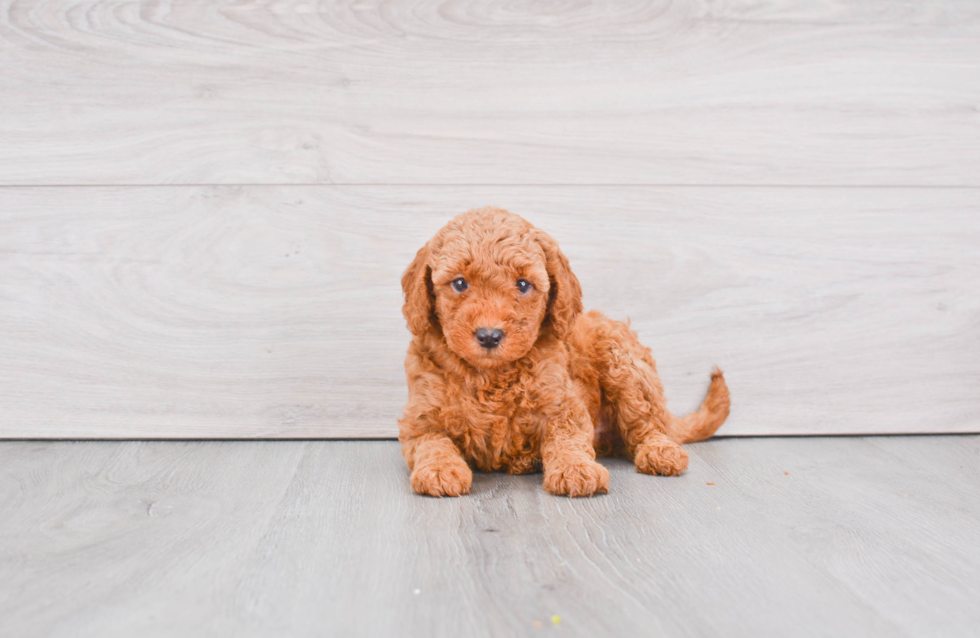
(797, 537)
(434, 92)
(236, 312)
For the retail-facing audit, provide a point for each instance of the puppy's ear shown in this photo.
(419, 308)
(565, 297)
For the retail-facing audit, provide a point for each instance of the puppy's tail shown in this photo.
(700, 425)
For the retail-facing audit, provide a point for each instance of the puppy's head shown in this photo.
(490, 282)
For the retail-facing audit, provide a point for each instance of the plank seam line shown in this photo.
(493, 185)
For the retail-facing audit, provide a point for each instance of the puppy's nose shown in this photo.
(489, 337)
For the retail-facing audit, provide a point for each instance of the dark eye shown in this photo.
(459, 284)
(524, 286)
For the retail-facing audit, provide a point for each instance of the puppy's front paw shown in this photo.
(443, 478)
(581, 477)
(663, 457)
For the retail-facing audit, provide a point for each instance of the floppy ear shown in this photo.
(565, 297)
(419, 308)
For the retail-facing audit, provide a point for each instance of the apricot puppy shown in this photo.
(505, 372)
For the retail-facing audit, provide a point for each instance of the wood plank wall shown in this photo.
(206, 205)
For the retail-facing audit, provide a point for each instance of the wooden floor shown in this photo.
(761, 537)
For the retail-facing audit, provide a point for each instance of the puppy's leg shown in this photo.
(437, 467)
(570, 467)
(629, 376)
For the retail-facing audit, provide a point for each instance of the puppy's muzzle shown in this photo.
(489, 338)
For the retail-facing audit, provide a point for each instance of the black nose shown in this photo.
(489, 337)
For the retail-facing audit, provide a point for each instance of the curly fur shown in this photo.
(562, 386)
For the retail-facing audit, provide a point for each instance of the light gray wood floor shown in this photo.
(761, 537)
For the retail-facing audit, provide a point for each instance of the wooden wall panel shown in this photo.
(295, 91)
(205, 206)
(230, 311)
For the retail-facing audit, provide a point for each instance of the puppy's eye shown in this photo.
(459, 284)
(524, 286)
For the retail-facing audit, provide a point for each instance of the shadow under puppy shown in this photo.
(505, 372)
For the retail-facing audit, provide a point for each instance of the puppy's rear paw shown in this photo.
(663, 457)
(576, 478)
(445, 478)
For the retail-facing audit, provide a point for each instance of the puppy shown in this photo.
(505, 372)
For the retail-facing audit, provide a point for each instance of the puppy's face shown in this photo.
(489, 281)
(490, 299)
